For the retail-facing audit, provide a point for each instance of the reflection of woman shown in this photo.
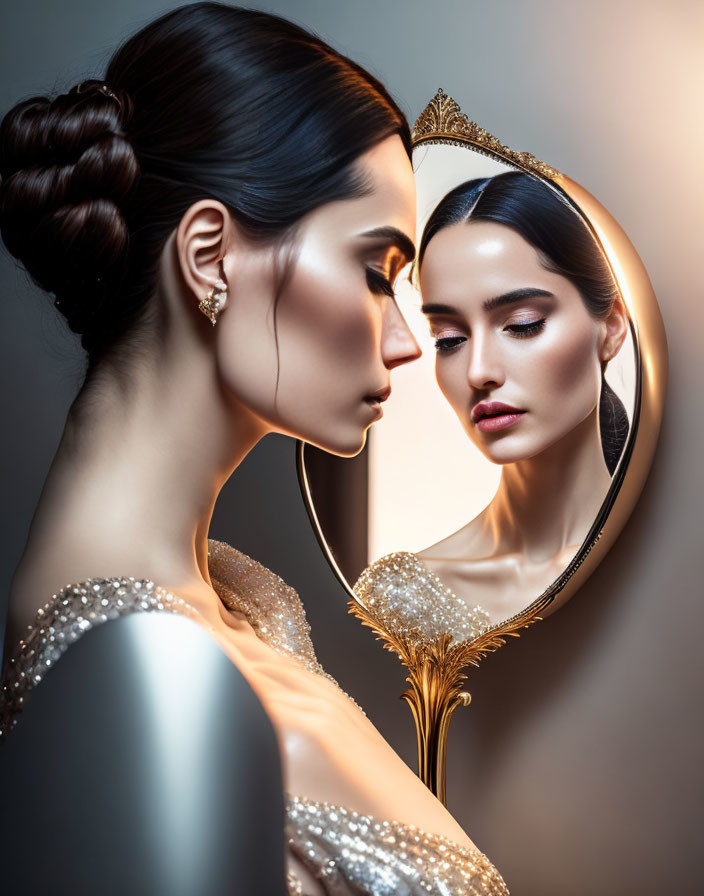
(525, 316)
(230, 164)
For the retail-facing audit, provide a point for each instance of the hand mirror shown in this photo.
(512, 452)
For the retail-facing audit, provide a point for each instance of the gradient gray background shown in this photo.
(577, 767)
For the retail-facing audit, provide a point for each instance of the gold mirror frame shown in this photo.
(436, 669)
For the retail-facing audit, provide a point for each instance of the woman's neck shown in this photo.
(547, 503)
(133, 484)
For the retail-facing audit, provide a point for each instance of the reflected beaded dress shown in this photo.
(345, 851)
(405, 598)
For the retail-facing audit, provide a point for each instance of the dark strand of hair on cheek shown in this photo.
(224, 103)
(564, 245)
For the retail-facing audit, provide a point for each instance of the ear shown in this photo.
(615, 330)
(203, 238)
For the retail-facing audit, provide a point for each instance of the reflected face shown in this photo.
(518, 354)
(339, 329)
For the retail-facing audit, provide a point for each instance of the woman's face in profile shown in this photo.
(518, 354)
(339, 331)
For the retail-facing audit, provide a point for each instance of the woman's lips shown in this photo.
(502, 421)
(374, 401)
(375, 405)
(492, 416)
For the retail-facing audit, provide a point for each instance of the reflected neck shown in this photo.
(547, 503)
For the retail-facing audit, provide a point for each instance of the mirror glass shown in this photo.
(501, 447)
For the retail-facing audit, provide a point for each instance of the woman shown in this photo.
(525, 316)
(221, 220)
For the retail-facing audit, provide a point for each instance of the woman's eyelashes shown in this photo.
(378, 283)
(526, 328)
(448, 343)
(520, 330)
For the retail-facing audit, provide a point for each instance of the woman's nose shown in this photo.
(484, 370)
(398, 344)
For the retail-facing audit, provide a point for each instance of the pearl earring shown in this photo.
(214, 302)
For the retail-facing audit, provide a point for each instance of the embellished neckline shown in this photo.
(406, 598)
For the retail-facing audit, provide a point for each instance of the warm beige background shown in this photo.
(577, 767)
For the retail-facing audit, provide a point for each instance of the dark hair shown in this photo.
(564, 245)
(209, 101)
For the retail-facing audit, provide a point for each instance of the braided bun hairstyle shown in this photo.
(66, 168)
(207, 101)
(564, 245)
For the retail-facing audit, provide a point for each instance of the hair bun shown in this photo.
(66, 168)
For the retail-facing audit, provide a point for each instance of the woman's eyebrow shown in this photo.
(394, 237)
(516, 295)
(437, 308)
(507, 298)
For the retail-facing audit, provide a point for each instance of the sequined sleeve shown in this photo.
(405, 597)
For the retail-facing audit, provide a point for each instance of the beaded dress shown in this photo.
(345, 851)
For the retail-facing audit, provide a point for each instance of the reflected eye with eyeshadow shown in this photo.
(522, 329)
(526, 328)
(446, 344)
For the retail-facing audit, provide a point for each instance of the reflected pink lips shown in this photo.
(492, 416)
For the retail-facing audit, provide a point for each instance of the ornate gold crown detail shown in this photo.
(443, 120)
